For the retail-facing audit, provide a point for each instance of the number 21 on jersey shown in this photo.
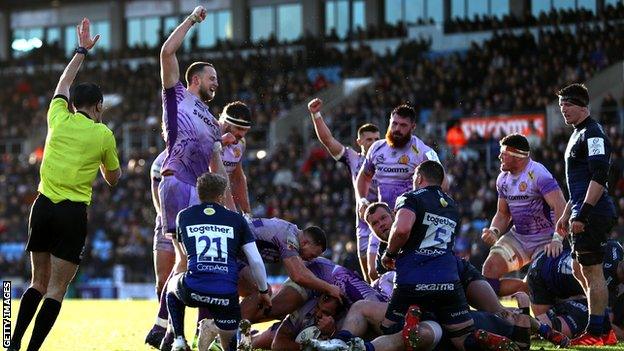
(211, 243)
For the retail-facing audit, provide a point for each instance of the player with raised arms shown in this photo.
(367, 135)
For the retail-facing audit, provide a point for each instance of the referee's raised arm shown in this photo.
(85, 43)
(76, 147)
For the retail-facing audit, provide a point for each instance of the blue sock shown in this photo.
(544, 330)
(606, 325)
(495, 283)
(176, 314)
(594, 327)
(369, 346)
(344, 335)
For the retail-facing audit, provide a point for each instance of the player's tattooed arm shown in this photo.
(169, 69)
(69, 74)
(324, 135)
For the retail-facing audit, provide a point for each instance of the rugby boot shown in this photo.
(494, 342)
(586, 339)
(411, 339)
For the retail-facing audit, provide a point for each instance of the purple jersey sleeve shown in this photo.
(500, 187)
(171, 99)
(369, 164)
(545, 181)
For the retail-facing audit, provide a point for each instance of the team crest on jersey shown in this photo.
(523, 186)
(380, 158)
(209, 211)
(415, 150)
(443, 202)
(237, 152)
(404, 160)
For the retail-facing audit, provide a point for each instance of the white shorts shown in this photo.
(517, 252)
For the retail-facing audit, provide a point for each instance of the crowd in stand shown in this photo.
(554, 17)
(300, 183)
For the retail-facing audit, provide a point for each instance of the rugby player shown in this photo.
(367, 135)
(192, 135)
(420, 250)
(211, 237)
(530, 199)
(590, 212)
(392, 163)
(558, 299)
(281, 241)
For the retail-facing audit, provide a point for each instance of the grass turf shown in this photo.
(122, 325)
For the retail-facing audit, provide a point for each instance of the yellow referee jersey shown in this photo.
(75, 147)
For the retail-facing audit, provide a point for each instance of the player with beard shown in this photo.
(192, 135)
(367, 135)
(392, 163)
(393, 160)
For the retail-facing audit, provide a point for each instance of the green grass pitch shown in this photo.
(115, 325)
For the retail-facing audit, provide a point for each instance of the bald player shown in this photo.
(367, 135)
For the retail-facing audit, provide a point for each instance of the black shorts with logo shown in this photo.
(224, 308)
(60, 229)
(594, 238)
(446, 301)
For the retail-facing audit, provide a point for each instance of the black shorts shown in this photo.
(223, 307)
(60, 229)
(575, 313)
(444, 300)
(468, 273)
(594, 238)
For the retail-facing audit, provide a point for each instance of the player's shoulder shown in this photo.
(103, 129)
(536, 170)
(501, 177)
(594, 129)
(377, 146)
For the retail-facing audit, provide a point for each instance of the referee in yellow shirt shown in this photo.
(77, 145)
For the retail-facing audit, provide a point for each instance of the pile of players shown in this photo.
(415, 294)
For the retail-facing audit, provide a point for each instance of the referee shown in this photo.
(77, 145)
(590, 212)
